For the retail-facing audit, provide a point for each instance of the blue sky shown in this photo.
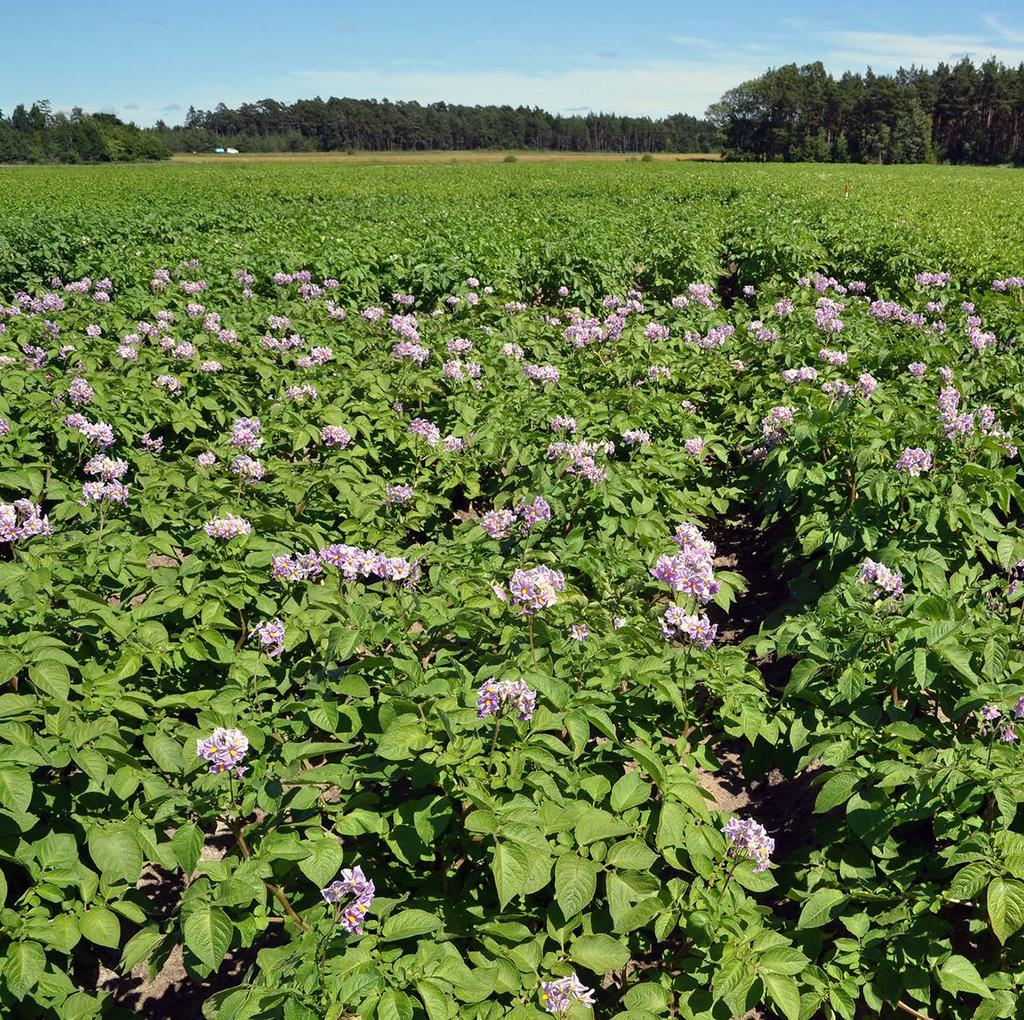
(146, 61)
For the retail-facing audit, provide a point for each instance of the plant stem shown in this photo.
(910, 1009)
(275, 890)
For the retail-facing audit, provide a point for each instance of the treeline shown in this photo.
(318, 125)
(958, 114)
(38, 135)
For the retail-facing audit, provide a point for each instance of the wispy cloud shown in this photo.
(171, 107)
(656, 88)
(996, 24)
(131, 106)
(609, 55)
(691, 40)
(347, 27)
(888, 50)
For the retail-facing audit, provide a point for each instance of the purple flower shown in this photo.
(495, 696)
(886, 582)
(80, 392)
(557, 997)
(245, 467)
(579, 632)
(169, 383)
(227, 527)
(536, 589)
(425, 430)
(533, 513)
(353, 883)
(21, 520)
(270, 634)
(245, 434)
(914, 461)
(917, 369)
(207, 459)
(748, 838)
(677, 624)
(224, 750)
(691, 570)
(397, 493)
(108, 468)
(544, 374)
(636, 437)
(498, 523)
(335, 436)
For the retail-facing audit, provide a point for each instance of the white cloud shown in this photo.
(691, 40)
(1009, 34)
(654, 89)
(889, 50)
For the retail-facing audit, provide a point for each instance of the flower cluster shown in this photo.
(224, 750)
(495, 696)
(886, 582)
(22, 519)
(245, 435)
(691, 570)
(353, 883)
(335, 436)
(558, 996)
(544, 374)
(270, 635)
(536, 589)
(227, 527)
(677, 625)
(426, 430)
(397, 492)
(107, 468)
(791, 376)
(104, 492)
(747, 838)
(296, 568)
(914, 461)
(353, 562)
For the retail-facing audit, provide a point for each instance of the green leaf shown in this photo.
(631, 854)
(599, 953)
(26, 962)
(62, 932)
(101, 927)
(116, 852)
(630, 791)
(647, 996)
(510, 866)
(575, 884)
(139, 947)
(1005, 907)
(164, 750)
(821, 908)
(51, 678)
(436, 999)
(958, 974)
(324, 860)
(394, 1005)
(187, 845)
(784, 993)
(836, 791)
(408, 923)
(15, 789)
(207, 931)
(781, 960)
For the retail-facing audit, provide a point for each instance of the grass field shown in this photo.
(454, 158)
